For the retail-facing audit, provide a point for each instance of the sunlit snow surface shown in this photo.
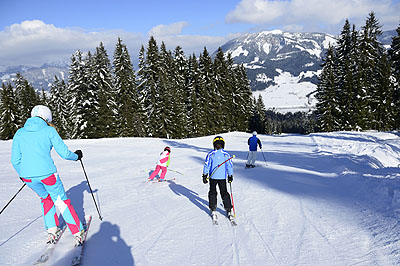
(320, 199)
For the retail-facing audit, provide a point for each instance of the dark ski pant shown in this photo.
(212, 194)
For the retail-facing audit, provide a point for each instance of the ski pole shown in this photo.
(264, 157)
(233, 204)
(91, 192)
(218, 166)
(12, 198)
(175, 171)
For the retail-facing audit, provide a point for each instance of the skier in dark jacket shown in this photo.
(218, 175)
(31, 158)
(253, 142)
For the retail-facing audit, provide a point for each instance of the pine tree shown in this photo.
(165, 105)
(394, 56)
(129, 109)
(208, 95)
(26, 97)
(328, 104)
(78, 97)
(152, 104)
(179, 93)
(242, 97)
(142, 81)
(10, 117)
(371, 50)
(258, 118)
(345, 83)
(58, 105)
(106, 122)
(194, 106)
(223, 95)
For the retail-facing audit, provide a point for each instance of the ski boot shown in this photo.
(52, 234)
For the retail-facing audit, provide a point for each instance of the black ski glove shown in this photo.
(80, 154)
(230, 178)
(205, 178)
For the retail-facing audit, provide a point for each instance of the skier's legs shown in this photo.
(56, 190)
(248, 158)
(48, 209)
(163, 172)
(226, 198)
(212, 194)
(155, 172)
(252, 157)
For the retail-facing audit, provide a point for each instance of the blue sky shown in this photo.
(34, 32)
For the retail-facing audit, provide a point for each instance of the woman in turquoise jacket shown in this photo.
(31, 158)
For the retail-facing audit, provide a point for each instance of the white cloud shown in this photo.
(313, 13)
(165, 30)
(34, 42)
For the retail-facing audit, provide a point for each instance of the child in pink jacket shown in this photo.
(162, 164)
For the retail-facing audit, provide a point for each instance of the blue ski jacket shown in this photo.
(215, 158)
(253, 141)
(31, 149)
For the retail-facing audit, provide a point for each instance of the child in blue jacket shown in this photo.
(218, 174)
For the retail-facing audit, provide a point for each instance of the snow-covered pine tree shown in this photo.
(77, 92)
(208, 95)
(10, 116)
(394, 56)
(142, 80)
(194, 106)
(58, 105)
(223, 92)
(152, 103)
(241, 95)
(129, 109)
(328, 104)
(384, 116)
(258, 118)
(180, 93)
(26, 97)
(371, 50)
(166, 101)
(106, 123)
(345, 83)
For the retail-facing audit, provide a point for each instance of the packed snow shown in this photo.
(319, 199)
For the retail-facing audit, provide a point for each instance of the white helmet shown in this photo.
(43, 112)
(254, 133)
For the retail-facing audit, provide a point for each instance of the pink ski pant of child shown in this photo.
(158, 168)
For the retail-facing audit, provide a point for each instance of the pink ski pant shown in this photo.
(158, 168)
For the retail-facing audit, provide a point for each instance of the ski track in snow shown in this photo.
(322, 199)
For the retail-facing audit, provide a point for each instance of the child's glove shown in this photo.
(230, 178)
(205, 178)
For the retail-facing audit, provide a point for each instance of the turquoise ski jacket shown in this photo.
(31, 149)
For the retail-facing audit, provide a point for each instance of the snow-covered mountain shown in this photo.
(40, 77)
(321, 199)
(283, 67)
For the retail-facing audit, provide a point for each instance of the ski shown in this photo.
(78, 251)
(49, 249)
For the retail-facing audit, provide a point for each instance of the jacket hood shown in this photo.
(34, 124)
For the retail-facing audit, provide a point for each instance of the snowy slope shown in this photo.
(321, 199)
